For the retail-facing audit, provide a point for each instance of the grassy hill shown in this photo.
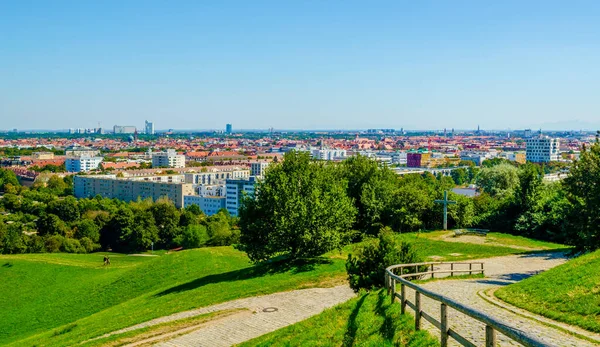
(569, 293)
(367, 320)
(61, 299)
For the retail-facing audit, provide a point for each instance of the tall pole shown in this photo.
(445, 210)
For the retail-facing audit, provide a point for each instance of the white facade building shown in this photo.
(82, 164)
(328, 154)
(542, 149)
(235, 191)
(258, 168)
(215, 177)
(170, 158)
(208, 204)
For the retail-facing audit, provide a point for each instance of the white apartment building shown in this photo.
(215, 177)
(169, 158)
(82, 164)
(542, 149)
(109, 186)
(328, 154)
(258, 168)
(79, 151)
(235, 191)
(208, 204)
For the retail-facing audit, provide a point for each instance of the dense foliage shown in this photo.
(366, 267)
(301, 210)
(46, 218)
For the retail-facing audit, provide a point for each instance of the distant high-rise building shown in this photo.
(542, 149)
(124, 129)
(228, 129)
(149, 127)
(169, 158)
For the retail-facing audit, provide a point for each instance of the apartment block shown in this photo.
(208, 204)
(235, 192)
(82, 164)
(109, 186)
(169, 158)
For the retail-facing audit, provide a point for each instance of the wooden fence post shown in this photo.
(470, 268)
(444, 325)
(490, 336)
(402, 298)
(452, 270)
(393, 289)
(417, 310)
(432, 274)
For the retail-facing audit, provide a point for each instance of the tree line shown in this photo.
(47, 218)
(304, 208)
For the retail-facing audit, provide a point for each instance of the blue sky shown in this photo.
(300, 64)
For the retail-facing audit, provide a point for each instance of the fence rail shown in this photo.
(403, 272)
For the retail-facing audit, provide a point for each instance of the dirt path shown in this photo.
(501, 271)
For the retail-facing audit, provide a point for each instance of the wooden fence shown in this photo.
(403, 272)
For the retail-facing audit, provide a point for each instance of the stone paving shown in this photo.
(499, 271)
(283, 309)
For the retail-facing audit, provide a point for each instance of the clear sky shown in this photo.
(300, 64)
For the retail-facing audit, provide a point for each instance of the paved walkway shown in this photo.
(269, 313)
(499, 271)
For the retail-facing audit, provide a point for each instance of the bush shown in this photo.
(366, 269)
(72, 246)
(89, 245)
(54, 243)
(193, 236)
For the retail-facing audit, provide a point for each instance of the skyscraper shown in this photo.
(149, 126)
(228, 128)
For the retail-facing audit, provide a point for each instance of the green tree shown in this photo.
(50, 224)
(66, 209)
(7, 177)
(300, 210)
(583, 191)
(88, 229)
(498, 180)
(166, 216)
(460, 176)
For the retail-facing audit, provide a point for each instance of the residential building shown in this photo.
(235, 191)
(42, 155)
(329, 154)
(169, 158)
(149, 128)
(124, 129)
(80, 151)
(542, 149)
(210, 205)
(258, 168)
(109, 186)
(82, 164)
(518, 157)
(214, 177)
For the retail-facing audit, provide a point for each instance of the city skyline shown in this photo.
(292, 66)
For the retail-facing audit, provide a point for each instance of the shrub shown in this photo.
(193, 236)
(72, 246)
(366, 269)
(88, 244)
(54, 243)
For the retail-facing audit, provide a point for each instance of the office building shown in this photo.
(228, 129)
(542, 149)
(124, 129)
(109, 186)
(258, 168)
(417, 159)
(210, 205)
(82, 164)
(236, 190)
(149, 128)
(169, 158)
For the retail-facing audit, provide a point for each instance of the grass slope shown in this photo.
(569, 293)
(60, 299)
(368, 320)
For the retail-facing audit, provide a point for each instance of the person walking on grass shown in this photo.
(106, 260)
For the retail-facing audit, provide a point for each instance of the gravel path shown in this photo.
(499, 271)
(283, 309)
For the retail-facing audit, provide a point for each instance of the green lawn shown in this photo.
(368, 320)
(62, 299)
(569, 293)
